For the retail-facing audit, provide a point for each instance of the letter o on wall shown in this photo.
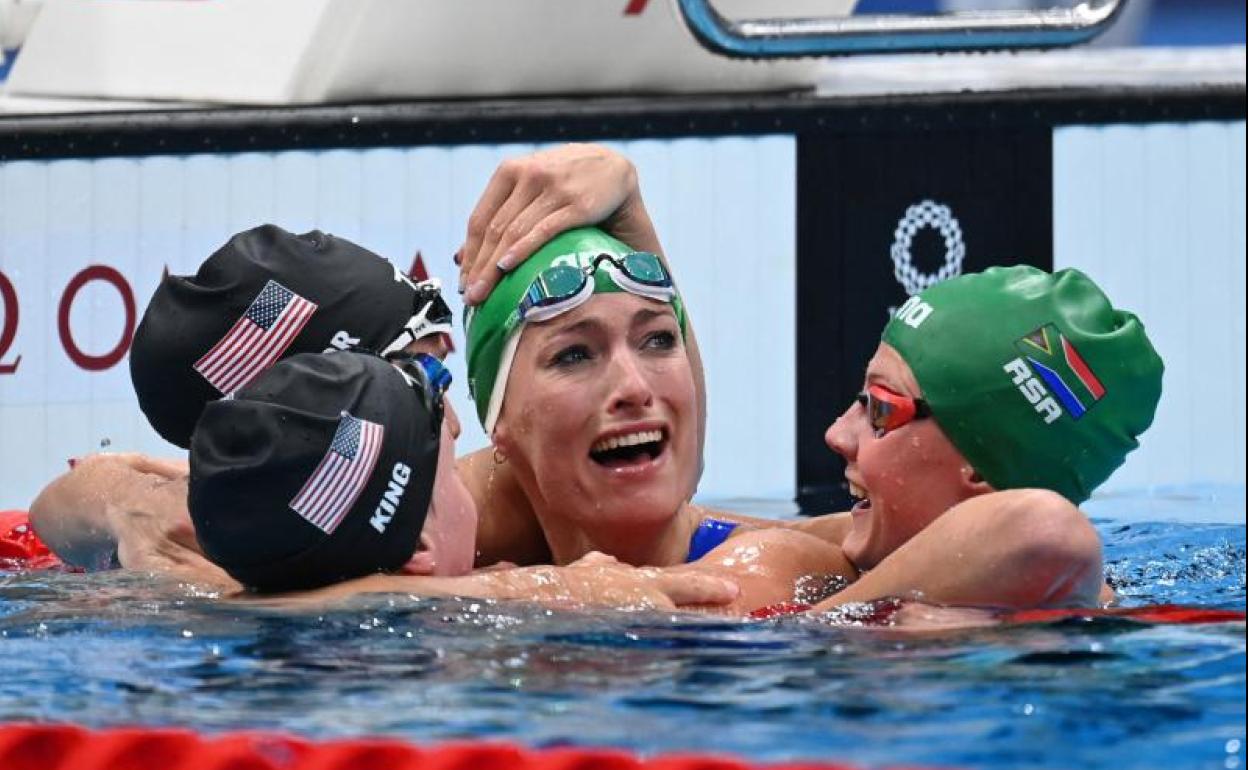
(8, 323)
(108, 360)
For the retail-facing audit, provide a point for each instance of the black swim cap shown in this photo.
(320, 471)
(264, 295)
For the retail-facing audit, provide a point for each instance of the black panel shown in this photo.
(237, 129)
(853, 191)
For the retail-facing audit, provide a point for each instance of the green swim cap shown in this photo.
(493, 328)
(1035, 378)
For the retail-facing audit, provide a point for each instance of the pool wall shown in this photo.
(1156, 213)
(795, 221)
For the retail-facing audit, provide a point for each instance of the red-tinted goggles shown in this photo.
(888, 411)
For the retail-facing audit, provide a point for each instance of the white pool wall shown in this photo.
(1155, 214)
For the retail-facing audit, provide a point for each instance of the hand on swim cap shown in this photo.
(531, 199)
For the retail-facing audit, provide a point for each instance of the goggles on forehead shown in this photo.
(560, 288)
(431, 316)
(888, 411)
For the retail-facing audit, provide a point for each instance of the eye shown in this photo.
(571, 356)
(664, 340)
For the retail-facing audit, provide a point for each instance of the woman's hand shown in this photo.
(531, 199)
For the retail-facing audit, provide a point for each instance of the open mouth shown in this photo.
(629, 449)
(861, 497)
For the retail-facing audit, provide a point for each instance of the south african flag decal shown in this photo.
(1056, 361)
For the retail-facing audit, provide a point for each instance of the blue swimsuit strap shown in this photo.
(709, 534)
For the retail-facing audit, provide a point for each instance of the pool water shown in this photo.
(112, 649)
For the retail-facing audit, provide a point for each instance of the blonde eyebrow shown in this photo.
(645, 315)
(579, 327)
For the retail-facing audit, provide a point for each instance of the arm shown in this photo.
(71, 513)
(1014, 549)
(832, 527)
(123, 510)
(595, 580)
(769, 564)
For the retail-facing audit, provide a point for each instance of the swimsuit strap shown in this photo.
(709, 534)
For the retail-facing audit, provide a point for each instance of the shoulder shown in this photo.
(832, 527)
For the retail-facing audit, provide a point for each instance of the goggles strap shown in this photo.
(419, 326)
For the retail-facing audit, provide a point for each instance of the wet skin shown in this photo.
(907, 477)
(612, 369)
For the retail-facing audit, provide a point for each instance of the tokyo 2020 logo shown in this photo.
(926, 214)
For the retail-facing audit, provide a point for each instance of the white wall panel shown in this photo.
(1156, 215)
(725, 210)
(252, 190)
(295, 190)
(734, 254)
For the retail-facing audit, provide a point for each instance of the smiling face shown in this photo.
(905, 478)
(600, 417)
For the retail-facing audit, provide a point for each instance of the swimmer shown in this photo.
(204, 335)
(578, 368)
(940, 518)
(995, 404)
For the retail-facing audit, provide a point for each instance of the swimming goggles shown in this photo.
(425, 368)
(888, 411)
(431, 315)
(560, 288)
(428, 378)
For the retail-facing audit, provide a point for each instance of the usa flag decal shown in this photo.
(257, 339)
(342, 474)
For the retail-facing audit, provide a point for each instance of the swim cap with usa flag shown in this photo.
(265, 294)
(319, 471)
(1034, 376)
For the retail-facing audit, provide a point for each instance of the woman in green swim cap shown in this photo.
(578, 367)
(1013, 378)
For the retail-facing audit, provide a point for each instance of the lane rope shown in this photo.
(70, 747)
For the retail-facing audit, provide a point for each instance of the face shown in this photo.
(905, 478)
(599, 417)
(448, 537)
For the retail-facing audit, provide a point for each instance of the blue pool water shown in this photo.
(110, 649)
